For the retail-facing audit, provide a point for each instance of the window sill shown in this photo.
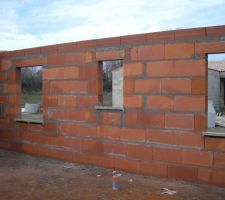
(109, 108)
(214, 133)
(30, 118)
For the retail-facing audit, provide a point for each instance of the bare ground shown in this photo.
(24, 177)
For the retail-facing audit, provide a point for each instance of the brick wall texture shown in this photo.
(159, 133)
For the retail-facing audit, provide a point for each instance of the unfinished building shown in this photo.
(157, 125)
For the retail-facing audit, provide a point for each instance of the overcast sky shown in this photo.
(30, 23)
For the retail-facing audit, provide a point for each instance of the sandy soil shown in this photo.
(24, 177)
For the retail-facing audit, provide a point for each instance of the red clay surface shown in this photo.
(24, 177)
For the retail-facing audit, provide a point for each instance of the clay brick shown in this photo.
(2, 77)
(50, 127)
(67, 47)
(56, 60)
(66, 59)
(190, 33)
(106, 42)
(147, 86)
(202, 158)
(92, 146)
(153, 52)
(189, 139)
(51, 100)
(109, 118)
(139, 152)
(133, 53)
(179, 138)
(133, 101)
(109, 132)
(14, 76)
(60, 100)
(210, 47)
(144, 119)
(180, 121)
(167, 154)
(219, 160)
(4, 122)
(3, 99)
(215, 31)
(110, 55)
(132, 69)
(160, 68)
(87, 101)
(159, 136)
(153, 120)
(90, 57)
(205, 175)
(183, 172)
(176, 85)
(72, 58)
(30, 62)
(147, 52)
(78, 129)
(179, 50)
(5, 64)
(15, 53)
(134, 39)
(33, 127)
(61, 73)
(190, 103)
(128, 86)
(190, 68)
(160, 36)
(74, 143)
(132, 134)
(12, 88)
(71, 114)
(160, 102)
(153, 169)
(115, 148)
(88, 72)
(198, 85)
(86, 44)
(219, 178)
(49, 49)
(36, 50)
(14, 99)
(215, 144)
(69, 87)
(100, 160)
(126, 165)
(45, 87)
(12, 110)
(200, 123)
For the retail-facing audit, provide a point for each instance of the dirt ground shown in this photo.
(24, 177)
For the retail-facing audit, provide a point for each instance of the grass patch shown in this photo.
(32, 97)
(107, 99)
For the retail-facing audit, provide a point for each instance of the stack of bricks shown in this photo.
(159, 133)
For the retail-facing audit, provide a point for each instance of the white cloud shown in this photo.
(74, 21)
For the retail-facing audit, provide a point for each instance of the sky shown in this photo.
(31, 23)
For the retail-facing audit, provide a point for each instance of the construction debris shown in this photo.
(168, 191)
(220, 121)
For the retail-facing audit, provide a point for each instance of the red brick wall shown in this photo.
(159, 132)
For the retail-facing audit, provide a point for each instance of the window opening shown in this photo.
(112, 83)
(216, 94)
(31, 95)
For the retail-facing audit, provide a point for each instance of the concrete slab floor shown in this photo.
(26, 177)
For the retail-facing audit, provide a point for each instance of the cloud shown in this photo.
(36, 23)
